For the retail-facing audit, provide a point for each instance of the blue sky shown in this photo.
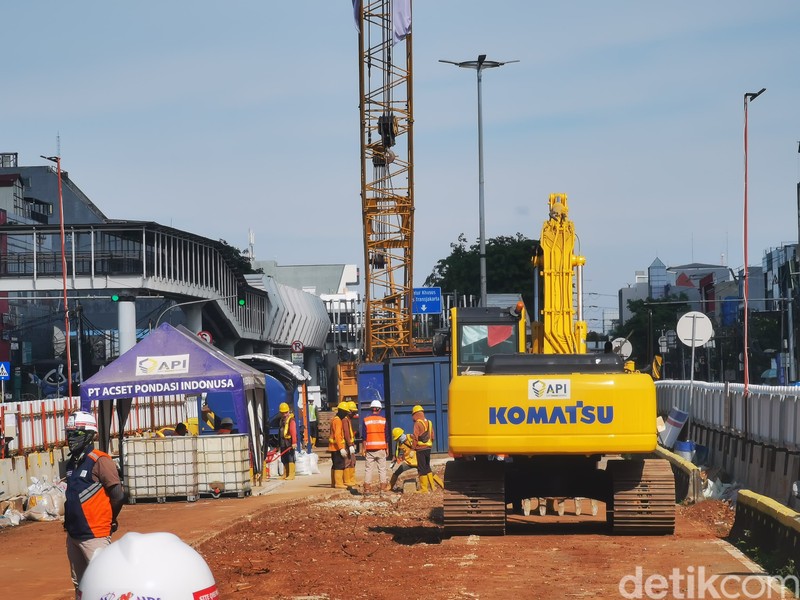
(219, 117)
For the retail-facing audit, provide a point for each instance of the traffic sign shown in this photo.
(427, 301)
(622, 347)
(694, 329)
(5, 371)
(298, 346)
(205, 336)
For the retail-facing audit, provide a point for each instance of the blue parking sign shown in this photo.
(427, 301)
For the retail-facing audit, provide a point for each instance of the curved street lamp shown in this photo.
(479, 65)
(748, 97)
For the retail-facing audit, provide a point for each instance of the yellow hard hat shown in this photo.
(283, 407)
(417, 408)
(351, 406)
(396, 433)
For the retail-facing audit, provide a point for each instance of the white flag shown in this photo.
(401, 19)
(357, 14)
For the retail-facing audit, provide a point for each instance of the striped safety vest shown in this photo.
(87, 511)
(375, 433)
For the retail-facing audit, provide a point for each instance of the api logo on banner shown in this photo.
(162, 365)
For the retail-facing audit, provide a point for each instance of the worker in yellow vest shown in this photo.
(287, 440)
(375, 448)
(404, 455)
(422, 442)
(350, 441)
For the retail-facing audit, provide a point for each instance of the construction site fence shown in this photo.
(38, 425)
(768, 415)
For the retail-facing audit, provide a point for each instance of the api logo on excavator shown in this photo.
(550, 388)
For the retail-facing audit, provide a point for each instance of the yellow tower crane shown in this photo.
(387, 174)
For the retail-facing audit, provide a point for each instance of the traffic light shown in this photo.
(241, 300)
(115, 297)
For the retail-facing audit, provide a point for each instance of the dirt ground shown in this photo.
(306, 541)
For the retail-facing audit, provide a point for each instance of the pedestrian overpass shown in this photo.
(147, 259)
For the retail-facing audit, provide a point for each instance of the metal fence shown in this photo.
(38, 425)
(770, 415)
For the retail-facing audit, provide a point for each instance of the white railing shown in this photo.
(771, 414)
(39, 424)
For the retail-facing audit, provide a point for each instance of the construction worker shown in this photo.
(422, 442)
(225, 426)
(313, 427)
(375, 448)
(287, 441)
(94, 495)
(179, 430)
(350, 440)
(337, 446)
(404, 455)
(148, 565)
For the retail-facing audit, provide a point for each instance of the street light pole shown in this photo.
(57, 160)
(748, 97)
(479, 65)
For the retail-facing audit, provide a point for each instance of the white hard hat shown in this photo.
(148, 565)
(82, 421)
(375, 404)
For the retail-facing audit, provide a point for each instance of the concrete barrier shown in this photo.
(769, 524)
(16, 473)
(688, 482)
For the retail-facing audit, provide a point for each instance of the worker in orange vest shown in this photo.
(287, 440)
(337, 447)
(375, 448)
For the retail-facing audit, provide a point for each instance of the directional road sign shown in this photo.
(427, 301)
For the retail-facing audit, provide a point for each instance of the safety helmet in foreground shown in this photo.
(375, 404)
(283, 407)
(148, 565)
(417, 408)
(397, 433)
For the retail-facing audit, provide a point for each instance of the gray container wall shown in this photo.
(424, 381)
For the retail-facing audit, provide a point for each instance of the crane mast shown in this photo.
(387, 176)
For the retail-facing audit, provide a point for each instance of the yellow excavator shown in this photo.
(533, 416)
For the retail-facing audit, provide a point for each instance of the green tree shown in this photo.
(236, 258)
(508, 267)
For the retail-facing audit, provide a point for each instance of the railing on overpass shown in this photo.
(139, 256)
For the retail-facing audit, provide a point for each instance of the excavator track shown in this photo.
(474, 498)
(644, 497)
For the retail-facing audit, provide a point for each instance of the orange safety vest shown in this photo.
(87, 512)
(375, 432)
(336, 439)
